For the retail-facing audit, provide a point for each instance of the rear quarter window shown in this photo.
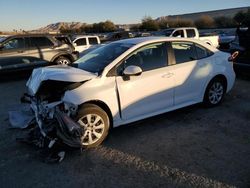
(40, 42)
(202, 52)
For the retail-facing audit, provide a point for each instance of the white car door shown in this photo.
(152, 91)
(191, 72)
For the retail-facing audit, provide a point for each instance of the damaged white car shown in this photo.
(129, 80)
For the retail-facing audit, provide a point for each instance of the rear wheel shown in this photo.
(215, 92)
(62, 61)
(95, 123)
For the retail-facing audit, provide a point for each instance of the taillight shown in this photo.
(233, 56)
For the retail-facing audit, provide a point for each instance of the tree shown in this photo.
(109, 26)
(135, 27)
(247, 18)
(239, 17)
(182, 23)
(88, 28)
(163, 23)
(175, 22)
(205, 22)
(101, 27)
(149, 24)
(224, 22)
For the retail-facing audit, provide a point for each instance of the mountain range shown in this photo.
(55, 27)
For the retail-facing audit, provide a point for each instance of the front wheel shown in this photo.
(62, 61)
(95, 123)
(214, 93)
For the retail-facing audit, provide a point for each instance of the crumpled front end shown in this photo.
(46, 88)
(59, 73)
(55, 123)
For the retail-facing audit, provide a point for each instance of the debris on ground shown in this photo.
(53, 136)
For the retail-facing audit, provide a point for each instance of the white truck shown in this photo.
(190, 32)
(82, 43)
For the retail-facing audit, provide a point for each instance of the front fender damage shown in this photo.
(53, 126)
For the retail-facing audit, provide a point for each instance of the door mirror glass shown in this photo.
(132, 70)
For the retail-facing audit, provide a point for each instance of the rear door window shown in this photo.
(190, 33)
(93, 40)
(178, 33)
(40, 42)
(81, 42)
(184, 51)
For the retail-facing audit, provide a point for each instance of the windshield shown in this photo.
(96, 60)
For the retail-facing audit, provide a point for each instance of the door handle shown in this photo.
(20, 51)
(167, 75)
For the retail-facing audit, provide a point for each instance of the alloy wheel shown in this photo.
(216, 92)
(93, 126)
(63, 62)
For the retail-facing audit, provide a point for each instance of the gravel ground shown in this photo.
(190, 147)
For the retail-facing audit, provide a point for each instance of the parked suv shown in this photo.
(22, 52)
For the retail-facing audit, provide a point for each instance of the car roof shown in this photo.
(84, 36)
(78, 36)
(140, 40)
(37, 35)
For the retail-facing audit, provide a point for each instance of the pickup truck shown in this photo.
(190, 32)
(82, 43)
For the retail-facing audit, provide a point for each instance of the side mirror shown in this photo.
(74, 44)
(132, 70)
(1, 46)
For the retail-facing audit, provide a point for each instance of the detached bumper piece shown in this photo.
(54, 136)
(21, 118)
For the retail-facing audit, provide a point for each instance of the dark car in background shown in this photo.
(242, 45)
(23, 52)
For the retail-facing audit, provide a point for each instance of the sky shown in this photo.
(33, 14)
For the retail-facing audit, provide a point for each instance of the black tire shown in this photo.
(95, 111)
(215, 92)
(62, 61)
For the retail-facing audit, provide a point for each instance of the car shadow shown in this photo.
(15, 76)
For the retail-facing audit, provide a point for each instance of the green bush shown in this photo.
(205, 22)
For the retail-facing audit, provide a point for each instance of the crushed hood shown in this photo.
(58, 73)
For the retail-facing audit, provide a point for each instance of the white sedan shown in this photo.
(129, 80)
